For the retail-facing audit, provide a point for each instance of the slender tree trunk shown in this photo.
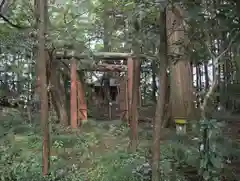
(198, 75)
(106, 30)
(154, 84)
(167, 109)
(159, 115)
(144, 88)
(206, 75)
(41, 67)
(29, 90)
(135, 88)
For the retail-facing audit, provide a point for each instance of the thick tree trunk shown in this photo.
(159, 115)
(58, 94)
(181, 76)
(42, 75)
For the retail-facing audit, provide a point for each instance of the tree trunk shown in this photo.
(198, 85)
(154, 84)
(138, 81)
(41, 67)
(58, 94)
(206, 76)
(167, 109)
(145, 86)
(159, 115)
(106, 33)
(181, 76)
(130, 64)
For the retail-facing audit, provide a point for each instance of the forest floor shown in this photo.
(95, 150)
(98, 151)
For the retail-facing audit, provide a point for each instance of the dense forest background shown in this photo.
(186, 59)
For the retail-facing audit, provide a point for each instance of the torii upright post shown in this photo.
(134, 104)
(81, 104)
(73, 94)
(129, 87)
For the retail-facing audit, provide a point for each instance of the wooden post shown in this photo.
(123, 99)
(82, 106)
(126, 101)
(73, 94)
(110, 110)
(134, 106)
(130, 86)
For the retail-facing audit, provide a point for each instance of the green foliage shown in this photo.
(115, 166)
(211, 162)
(183, 157)
(74, 156)
(99, 152)
(82, 25)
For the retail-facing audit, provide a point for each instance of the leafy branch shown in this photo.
(3, 8)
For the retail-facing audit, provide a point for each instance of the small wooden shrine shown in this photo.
(122, 90)
(99, 94)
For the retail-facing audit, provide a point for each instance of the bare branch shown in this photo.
(2, 4)
(215, 78)
(10, 23)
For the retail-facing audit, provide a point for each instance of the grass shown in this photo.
(96, 150)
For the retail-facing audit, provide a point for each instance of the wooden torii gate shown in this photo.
(78, 107)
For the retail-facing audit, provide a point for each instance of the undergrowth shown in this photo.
(98, 152)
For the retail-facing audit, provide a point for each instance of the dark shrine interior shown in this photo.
(101, 94)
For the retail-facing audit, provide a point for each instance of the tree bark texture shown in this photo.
(58, 94)
(181, 76)
(154, 84)
(130, 64)
(42, 77)
(206, 75)
(106, 28)
(134, 107)
(82, 106)
(159, 115)
(73, 96)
